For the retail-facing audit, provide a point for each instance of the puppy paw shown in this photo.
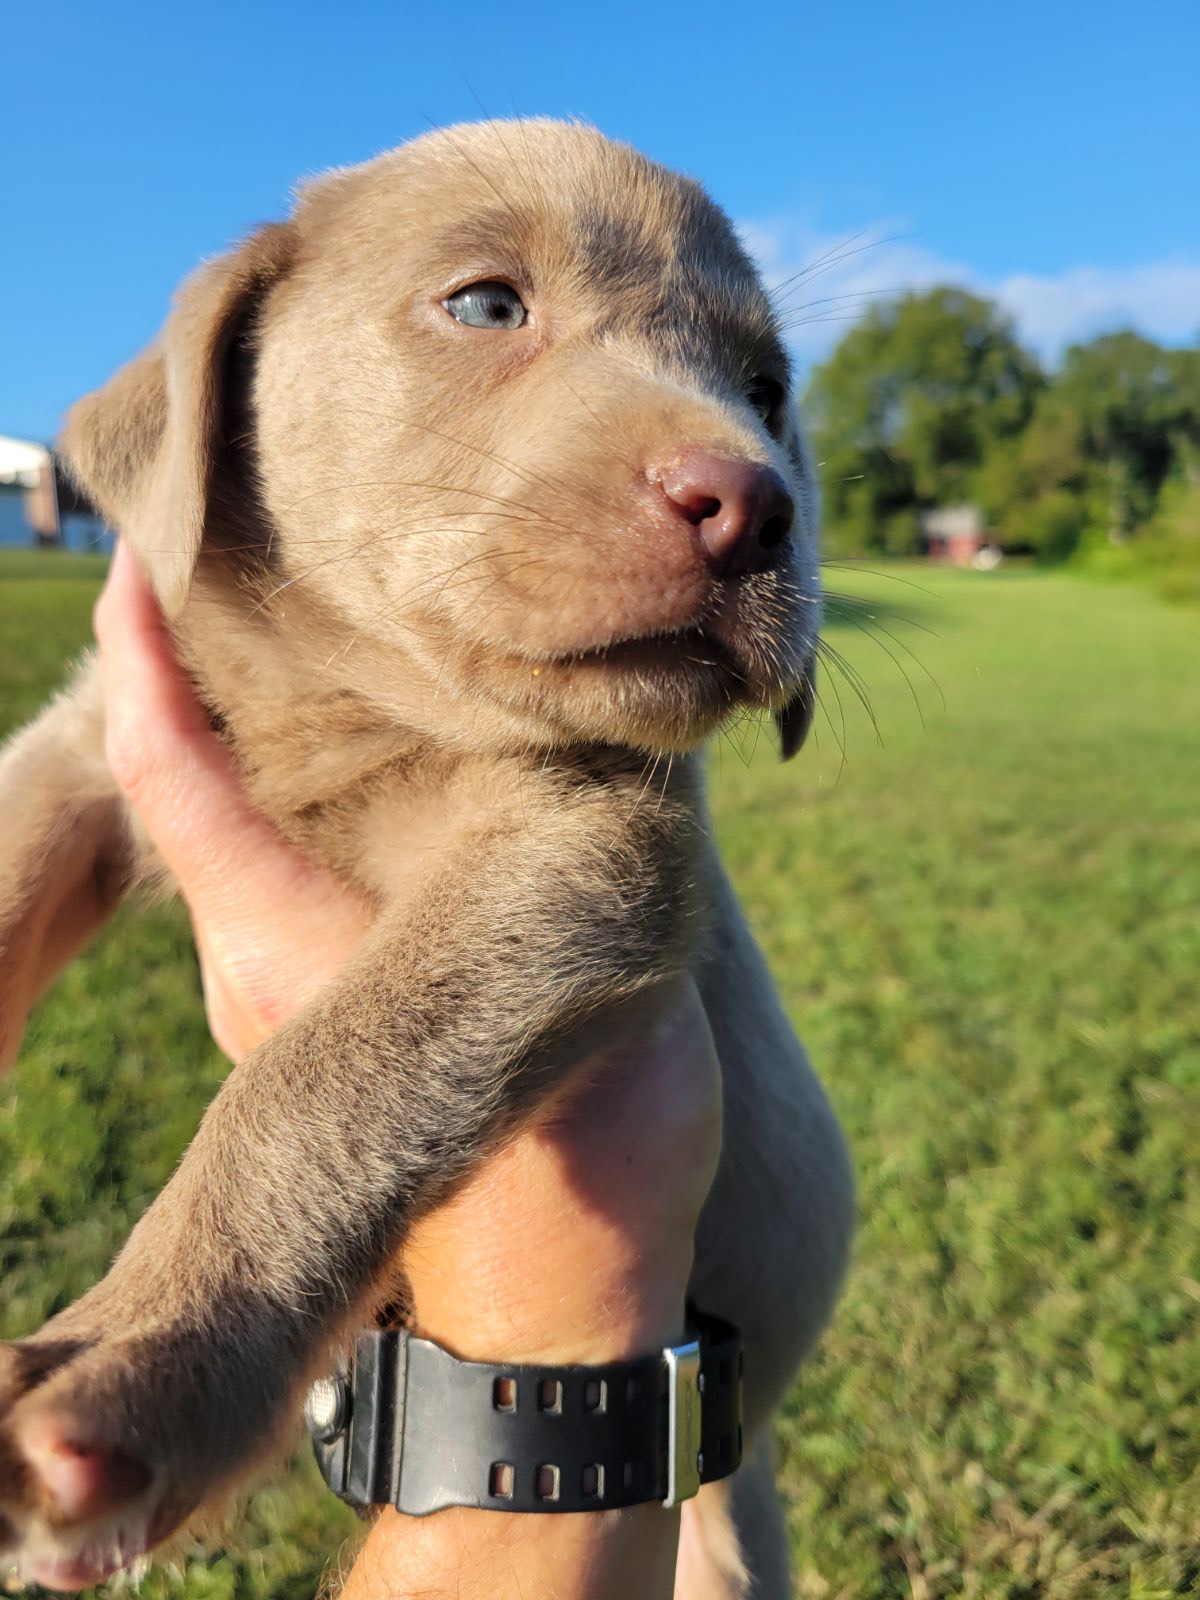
(75, 1504)
(108, 1445)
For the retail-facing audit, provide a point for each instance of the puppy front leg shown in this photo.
(65, 852)
(183, 1367)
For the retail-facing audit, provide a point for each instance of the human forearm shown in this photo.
(605, 1227)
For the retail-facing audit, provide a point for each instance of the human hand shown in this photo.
(271, 929)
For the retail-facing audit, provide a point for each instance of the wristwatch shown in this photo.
(406, 1424)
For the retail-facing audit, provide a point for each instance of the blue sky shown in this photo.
(1046, 153)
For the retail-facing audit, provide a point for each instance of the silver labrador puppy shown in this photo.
(470, 491)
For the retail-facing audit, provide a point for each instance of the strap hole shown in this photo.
(504, 1394)
(500, 1480)
(591, 1481)
(726, 1374)
(633, 1391)
(723, 1449)
(595, 1395)
(550, 1396)
(629, 1474)
(546, 1483)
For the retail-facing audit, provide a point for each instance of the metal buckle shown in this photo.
(684, 1462)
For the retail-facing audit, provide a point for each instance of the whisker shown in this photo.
(494, 126)
(840, 607)
(911, 653)
(666, 781)
(840, 739)
(899, 665)
(850, 294)
(842, 565)
(504, 199)
(832, 259)
(572, 390)
(464, 444)
(804, 272)
(412, 483)
(645, 789)
(853, 679)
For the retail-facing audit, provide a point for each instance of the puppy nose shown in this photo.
(742, 512)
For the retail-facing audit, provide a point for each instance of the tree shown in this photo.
(1135, 418)
(1033, 487)
(909, 407)
(1119, 424)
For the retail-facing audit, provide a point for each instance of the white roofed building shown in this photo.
(39, 505)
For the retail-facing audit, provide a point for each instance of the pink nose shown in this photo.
(742, 512)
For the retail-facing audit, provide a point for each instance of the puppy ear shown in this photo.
(144, 446)
(796, 718)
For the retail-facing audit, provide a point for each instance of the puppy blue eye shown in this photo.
(487, 305)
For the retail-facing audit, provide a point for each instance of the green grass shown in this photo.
(988, 931)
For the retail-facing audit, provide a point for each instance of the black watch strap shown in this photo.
(411, 1426)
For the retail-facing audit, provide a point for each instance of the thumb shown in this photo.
(181, 780)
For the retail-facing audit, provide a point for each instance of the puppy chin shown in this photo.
(672, 715)
(660, 696)
(659, 712)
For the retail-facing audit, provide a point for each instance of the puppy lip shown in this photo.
(659, 645)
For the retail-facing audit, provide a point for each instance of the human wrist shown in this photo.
(565, 1333)
(583, 1291)
(573, 1242)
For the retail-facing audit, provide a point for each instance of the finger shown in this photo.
(157, 738)
(178, 775)
(137, 659)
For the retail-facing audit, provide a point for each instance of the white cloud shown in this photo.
(825, 281)
(1159, 298)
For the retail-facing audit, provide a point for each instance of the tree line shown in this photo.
(932, 401)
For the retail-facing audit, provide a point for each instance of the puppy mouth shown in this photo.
(668, 649)
(652, 682)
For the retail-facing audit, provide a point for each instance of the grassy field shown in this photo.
(987, 927)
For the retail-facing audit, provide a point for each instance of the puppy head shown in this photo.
(521, 418)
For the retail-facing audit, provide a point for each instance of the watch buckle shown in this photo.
(684, 1461)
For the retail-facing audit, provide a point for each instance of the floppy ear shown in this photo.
(144, 446)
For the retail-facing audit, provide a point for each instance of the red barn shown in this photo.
(955, 536)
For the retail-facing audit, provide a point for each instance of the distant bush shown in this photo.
(1166, 551)
(1053, 525)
